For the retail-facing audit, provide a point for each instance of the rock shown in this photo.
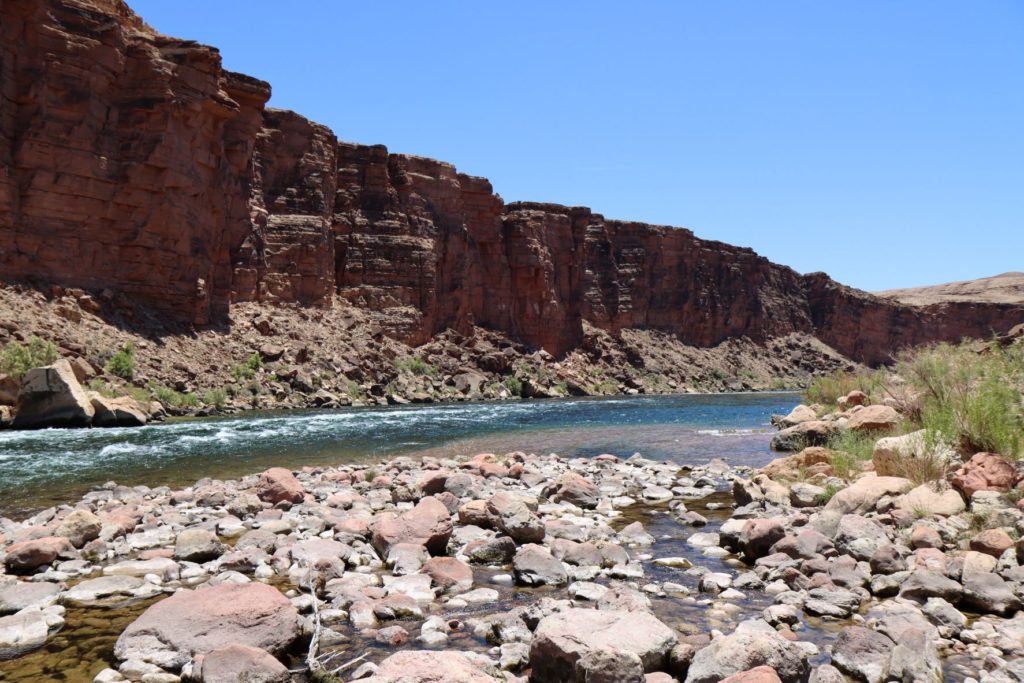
(989, 593)
(949, 620)
(992, 542)
(428, 524)
(862, 653)
(17, 595)
(759, 535)
(932, 499)
(759, 489)
(233, 663)
(802, 435)
(984, 472)
(533, 565)
(498, 550)
(79, 527)
(901, 456)
(278, 485)
(922, 536)
(754, 643)
(123, 411)
(559, 654)
(572, 488)
(759, 674)
(859, 498)
(806, 495)
(23, 632)
(28, 555)
(109, 590)
(408, 558)
(923, 584)
(511, 515)
(52, 397)
(859, 536)
(192, 622)
(426, 666)
(873, 419)
(449, 574)
(799, 414)
(198, 545)
(808, 462)
(915, 657)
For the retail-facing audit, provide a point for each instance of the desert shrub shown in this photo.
(415, 365)
(216, 397)
(849, 450)
(828, 389)
(17, 358)
(514, 385)
(971, 400)
(249, 368)
(830, 490)
(122, 363)
(175, 399)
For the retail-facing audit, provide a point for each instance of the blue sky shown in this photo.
(881, 142)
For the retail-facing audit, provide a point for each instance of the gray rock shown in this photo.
(859, 536)
(198, 545)
(18, 595)
(989, 593)
(534, 565)
(754, 643)
(862, 653)
(109, 590)
(948, 619)
(923, 584)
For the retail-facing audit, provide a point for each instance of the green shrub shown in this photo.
(514, 385)
(216, 397)
(825, 496)
(849, 449)
(249, 368)
(415, 365)
(828, 389)
(122, 363)
(17, 359)
(175, 399)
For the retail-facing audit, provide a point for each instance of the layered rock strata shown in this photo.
(135, 163)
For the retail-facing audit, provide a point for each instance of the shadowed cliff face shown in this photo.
(134, 162)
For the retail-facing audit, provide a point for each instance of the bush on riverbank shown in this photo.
(971, 399)
(17, 358)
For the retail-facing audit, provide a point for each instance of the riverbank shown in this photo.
(506, 565)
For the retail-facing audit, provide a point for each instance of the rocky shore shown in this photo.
(525, 567)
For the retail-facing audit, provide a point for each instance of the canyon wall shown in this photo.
(133, 162)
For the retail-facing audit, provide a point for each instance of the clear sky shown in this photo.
(881, 142)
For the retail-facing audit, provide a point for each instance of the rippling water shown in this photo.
(40, 468)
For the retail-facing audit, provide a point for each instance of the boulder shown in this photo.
(875, 418)
(123, 411)
(859, 498)
(17, 595)
(192, 622)
(988, 593)
(198, 545)
(754, 643)
(923, 584)
(759, 535)
(278, 485)
(510, 513)
(900, 456)
(933, 498)
(572, 488)
(25, 631)
(575, 644)
(29, 555)
(233, 663)
(79, 527)
(759, 674)
(425, 666)
(52, 397)
(862, 653)
(109, 590)
(534, 565)
(428, 524)
(984, 472)
(859, 536)
(449, 574)
(759, 489)
(808, 462)
(804, 434)
(992, 542)
(799, 414)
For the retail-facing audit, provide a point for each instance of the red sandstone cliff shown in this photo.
(134, 162)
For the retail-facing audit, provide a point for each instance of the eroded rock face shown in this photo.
(177, 190)
(52, 397)
(199, 621)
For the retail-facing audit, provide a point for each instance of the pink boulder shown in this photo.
(278, 485)
(194, 622)
(235, 662)
(759, 674)
(985, 472)
(34, 553)
(449, 574)
(428, 524)
(425, 666)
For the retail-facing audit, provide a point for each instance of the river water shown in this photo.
(46, 467)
